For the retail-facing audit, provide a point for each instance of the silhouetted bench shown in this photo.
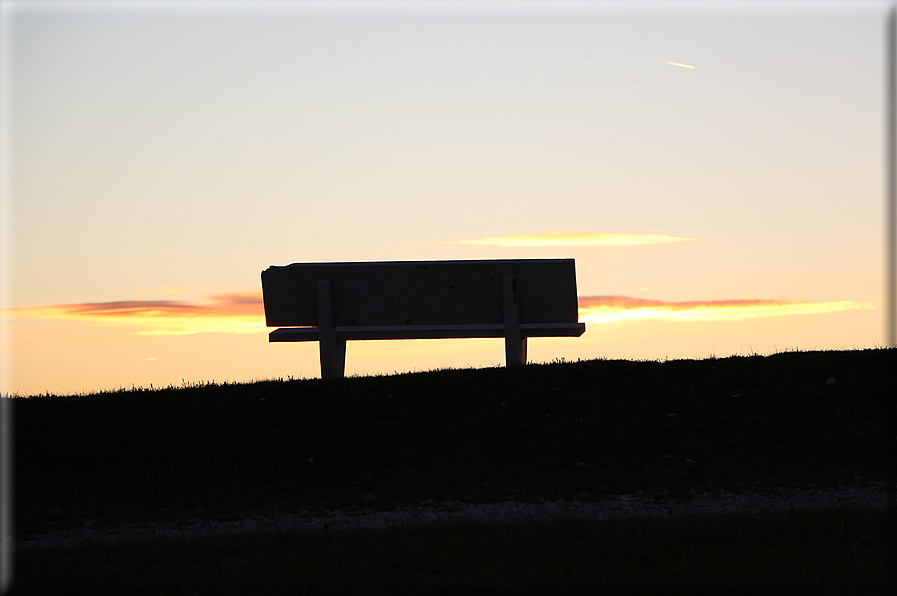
(334, 302)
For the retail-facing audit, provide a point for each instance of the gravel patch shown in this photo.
(876, 496)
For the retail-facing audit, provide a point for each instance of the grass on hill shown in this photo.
(563, 430)
(581, 430)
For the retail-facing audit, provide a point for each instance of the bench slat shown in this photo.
(421, 292)
(429, 332)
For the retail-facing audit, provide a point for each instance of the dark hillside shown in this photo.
(563, 430)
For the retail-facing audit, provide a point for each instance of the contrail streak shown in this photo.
(678, 64)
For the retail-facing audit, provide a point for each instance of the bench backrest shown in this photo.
(421, 292)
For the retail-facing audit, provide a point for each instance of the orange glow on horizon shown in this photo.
(572, 239)
(162, 290)
(612, 309)
(220, 313)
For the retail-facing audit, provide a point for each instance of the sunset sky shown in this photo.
(717, 170)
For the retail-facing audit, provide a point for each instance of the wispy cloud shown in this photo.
(572, 239)
(220, 313)
(244, 312)
(610, 309)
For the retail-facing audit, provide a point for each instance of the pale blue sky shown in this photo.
(190, 147)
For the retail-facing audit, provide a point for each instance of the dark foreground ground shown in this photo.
(569, 430)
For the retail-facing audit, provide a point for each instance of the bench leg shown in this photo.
(515, 352)
(333, 349)
(515, 343)
(333, 358)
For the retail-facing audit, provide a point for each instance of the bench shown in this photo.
(334, 302)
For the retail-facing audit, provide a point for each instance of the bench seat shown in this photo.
(429, 331)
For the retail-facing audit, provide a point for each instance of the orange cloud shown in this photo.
(221, 313)
(572, 239)
(611, 309)
(244, 312)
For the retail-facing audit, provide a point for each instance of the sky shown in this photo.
(716, 169)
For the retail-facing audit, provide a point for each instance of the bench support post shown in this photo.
(333, 349)
(515, 343)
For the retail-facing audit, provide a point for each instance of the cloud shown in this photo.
(610, 309)
(244, 312)
(572, 239)
(220, 313)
